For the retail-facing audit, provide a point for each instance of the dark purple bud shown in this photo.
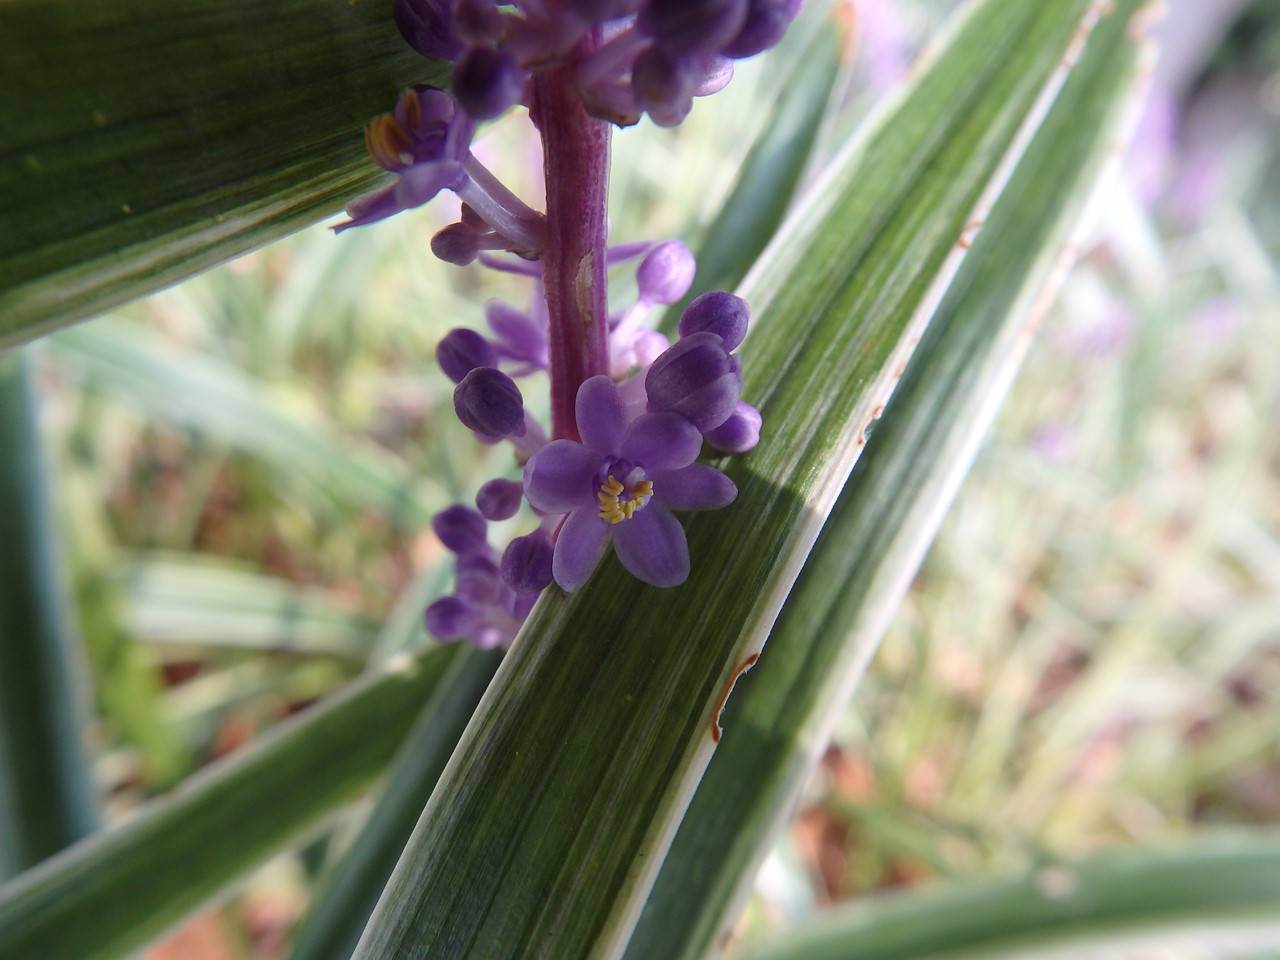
(457, 243)
(460, 529)
(461, 351)
(427, 26)
(598, 11)
(692, 26)
(488, 401)
(767, 21)
(738, 434)
(717, 312)
(526, 563)
(450, 618)
(665, 274)
(477, 21)
(696, 378)
(499, 499)
(487, 82)
(663, 84)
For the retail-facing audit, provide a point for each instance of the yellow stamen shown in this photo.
(614, 509)
(388, 144)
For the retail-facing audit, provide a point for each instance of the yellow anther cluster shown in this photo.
(388, 144)
(615, 510)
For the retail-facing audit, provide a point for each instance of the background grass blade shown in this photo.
(47, 795)
(347, 896)
(1220, 883)
(142, 142)
(119, 889)
(199, 391)
(197, 602)
(781, 718)
(551, 819)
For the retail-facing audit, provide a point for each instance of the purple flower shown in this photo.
(425, 140)
(482, 608)
(619, 485)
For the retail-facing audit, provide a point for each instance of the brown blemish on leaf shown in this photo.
(738, 671)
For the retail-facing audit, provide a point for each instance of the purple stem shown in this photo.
(576, 151)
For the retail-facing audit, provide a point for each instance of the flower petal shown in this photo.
(561, 477)
(579, 547)
(661, 441)
(599, 412)
(696, 487)
(653, 547)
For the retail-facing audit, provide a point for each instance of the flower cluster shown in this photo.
(641, 431)
(631, 411)
(644, 56)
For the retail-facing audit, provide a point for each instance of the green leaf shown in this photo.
(127, 686)
(348, 893)
(121, 888)
(550, 822)
(142, 141)
(47, 795)
(780, 721)
(199, 601)
(1226, 885)
(771, 173)
(285, 431)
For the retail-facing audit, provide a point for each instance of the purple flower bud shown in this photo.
(499, 499)
(457, 243)
(478, 581)
(487, 82)
(460, 529)
(666, 273)
(461, 351)
(427, 26)
(450, 618)
(526, 563)
(696, 378)
(598, 11)
(692, 26)
(717, 312)
(488, 401)
(738, 434)
(767, 21)
(663, 84)
(477, 21)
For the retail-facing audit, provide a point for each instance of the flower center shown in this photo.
(621, 498)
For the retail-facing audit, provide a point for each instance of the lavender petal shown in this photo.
(696, 487)
(562, 477)
(599, 411)
(652, 546)
(661, 441)
(579, 547)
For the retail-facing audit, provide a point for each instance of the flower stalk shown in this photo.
(576, 156)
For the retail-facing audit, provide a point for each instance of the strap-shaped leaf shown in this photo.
(290, 434)
(780, 722)
(113, 892)
(347, 894)
(142, 141)
(47, 796)
(1225, 887)
(549, 824)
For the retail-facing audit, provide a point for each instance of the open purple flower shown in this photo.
(619, 485)
(425, 140)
